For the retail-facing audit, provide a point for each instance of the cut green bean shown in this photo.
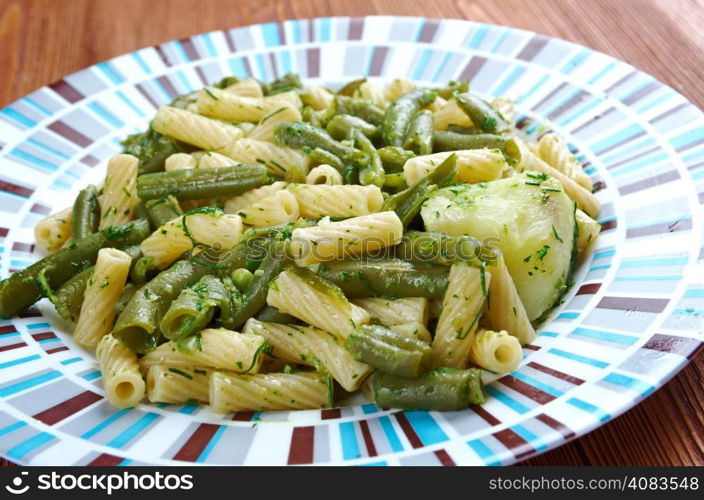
(443, 389)
(419, 136)
(389, 351)
(303, 135)
(407, 203)
(127, 294)
(196, 306)
(137, 326)
(453, 88)
(462, 129)
(373, 171)
(351, 87)
(394, 158)
(255, 297)
(226, 82)
(483, 116)
(162, 210)
(340, 126)
(309, 115)
(195, 183)
(273, 315)
(143, 271)
(395, 181)
(319, 156)
(453, 141)
(344, 105)
(20, 290)
(152, 149)
(86, 213)
(287, 82)
(391, 277)
(247, 254)
(399, 115)
(438, 248)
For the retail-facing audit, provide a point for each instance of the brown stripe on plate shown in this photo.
(243, 416)
(65, 409)
(485, 415)
(683, 224)
(162, 55)
(190, 49)
(313, 62)
(3, 232)
(30, 313)
(330, 414)
(90, 160)
(274, 68)
(649, 182)
(195, 444)
(282, 33)
(670, 112)
(408, 430)
(611, 224)
(201, 75)
(696, 166)
(44, 336)
(378, 60)
(639, 304)
(690, 145)
(592, 120)
(555, 373)
(40, 209)
(429, 29)
(247, 66)
(566, 432)
(531, 49)
(589, 289)
(621, 81)
(230, 42)
(56, 349)
(552, 94)
(701, 198)
(640, 154)
(15, 189)
(367, 436)
(69, 133)
(531, 347)
(302, 445)
(641, 93)
(683, 346)
(168, 86)
(356, 28)
(444, 458)
(145, 94)
(7, 329)
(472, 68)
(518, 446)
(526, 389)
(598, 186)
(569, 104)
(106, 460)
(621, 143)
(12, 346)
(67, 91)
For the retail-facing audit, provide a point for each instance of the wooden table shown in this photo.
(43, 40)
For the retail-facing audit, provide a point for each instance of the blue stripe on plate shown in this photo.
(390, 433)
(18, 117)
(643, 388)
(106, 423)
(578, 357)
(112, 75)
(538, 384)
(140, 60)
(666, 261)
(133, 430)
(483, 451)
(350, 448)
(23, 155)
(46, 148)
(211, 444)
(22, 449)
(426, 427)
(507, 400)
(129, 103)
(19, 361)
(37, 106)
(29, 383)
(270, 31)
(590, 408)
(532, 439)
(12, 428)
(616, 338)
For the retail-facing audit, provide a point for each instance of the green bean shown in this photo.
(246, 254)
(255, 298)
(407, 203)
(400, 113)
(143, 271)
(127, 294)
(184, 100)
(388, 351)
(152, 149)
(140, 211)
(483, 116)
(453, 141)
(440, 390)
(351, 87)
(394, 158)
(287, 82)
(273, 315)
(373, 171)
(419, 136)
(462, 129)
(309, 115)
(319, 156)
(162, 210)
(196, 306)
(395, 181)
(303, 135)
(226, 82)
(69, 297)
(452, 88)
(195, 183)
(343, 105)
(137, 325)
(391, 277)
(242, 278)
(340, 126)
(20, 290)
(438, 248)
(86, 213)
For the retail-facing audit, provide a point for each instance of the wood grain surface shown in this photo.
(43, 40)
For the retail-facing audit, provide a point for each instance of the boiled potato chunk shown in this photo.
(528, 217)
